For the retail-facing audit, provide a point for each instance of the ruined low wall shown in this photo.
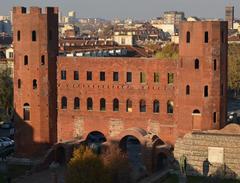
(219, 149)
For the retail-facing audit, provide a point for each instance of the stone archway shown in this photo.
(138, 133)
(95, 140)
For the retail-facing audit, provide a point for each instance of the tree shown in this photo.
(6, 93)
(86, 167)
(169, 51)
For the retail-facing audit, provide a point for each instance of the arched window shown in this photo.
(102, 104)
(64, 102)
(206, 37)
(19, 83)
(142, 106)
(188, 38)
(205, 91)
(26, 112)
(156, 106)
(187, 90)
(129, 106)
(215, 64)
(197, 64)
(89, 104)
(42, 60)
(34, 36)
(115, 105)
(34, 84)
(18, 36)
(25, 60)
(214, 117)
(170, 106)
(76, 103)
(196, 112)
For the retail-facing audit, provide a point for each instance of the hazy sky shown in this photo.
(137, 9)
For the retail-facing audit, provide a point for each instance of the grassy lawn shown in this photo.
(191, 179)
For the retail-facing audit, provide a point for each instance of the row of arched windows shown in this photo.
(197, 64)
(115, 105)
(25, 60)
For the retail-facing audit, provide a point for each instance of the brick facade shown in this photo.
(50, 122)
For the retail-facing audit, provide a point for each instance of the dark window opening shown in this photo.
(19, 83)
(25, 60)
(188, 37)
(34, 36)
(206, 37)
(102, 104)
(205, 91)
(129, 77)
(196, 64)
(76, 75)
(187, 90)
(34, 84)
(170, 107)
(115, 76)
(18, 36)
(142, 77)
(42, 60)
(214, 117)
(102, 76)
(76, 103)
(63, 75)
(170, 78)
(156, 77)
(89, 104)
(129, 106)
(26, 112)
(64, 103)
(156, 106)
(196, 111)
(142, 106)
(89, 75)
(115, 105)
(215, 64)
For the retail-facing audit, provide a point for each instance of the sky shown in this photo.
(136, 9)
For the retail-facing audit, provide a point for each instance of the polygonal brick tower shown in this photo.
(202, 76)
(36, 50)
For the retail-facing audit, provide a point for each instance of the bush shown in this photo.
(169, 51)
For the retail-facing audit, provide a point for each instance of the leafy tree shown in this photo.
(86, 167)
(169, 51)
(6, 93)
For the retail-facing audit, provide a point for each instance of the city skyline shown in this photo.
(109, 9)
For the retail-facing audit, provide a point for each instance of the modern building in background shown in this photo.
(229, 16)
(173, 17)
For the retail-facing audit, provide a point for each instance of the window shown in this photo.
(187, 90)
(196, 64)
(42, 60)
(34, 84)
(123, 41)
(142, 106)
(156, 77)
(25, 60)
(64, 103)
(63, 74)
(76, 75)
(170, 107)
(76, 103)
(170, 78)
(18, 36)
(102, 76)
(26, 112)
(129, 106)
(206, 37)
(89, 75)
(102, 104)
(34, 36)
(129, 77)
(142, 77)
(205, 91)
(115, 105)
(156, 106)
(19, 83)
(115, 76)
(188, 37)
(215, 64)
(214, 117)
(196, 112)
(89, 104)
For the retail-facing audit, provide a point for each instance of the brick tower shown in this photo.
(36, 50)
(202, 76)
